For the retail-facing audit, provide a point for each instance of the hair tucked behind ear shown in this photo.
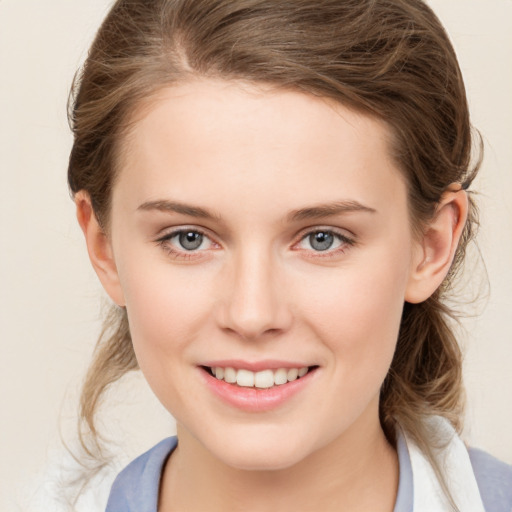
(390, 59)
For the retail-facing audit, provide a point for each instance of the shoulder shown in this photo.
(494, 479)
(136, 487)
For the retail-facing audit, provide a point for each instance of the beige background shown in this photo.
(49, 297)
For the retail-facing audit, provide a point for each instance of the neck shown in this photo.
(358, 471)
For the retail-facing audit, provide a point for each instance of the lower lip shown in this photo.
(254, 399)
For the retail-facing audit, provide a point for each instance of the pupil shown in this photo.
(321, 241)
(191, 240)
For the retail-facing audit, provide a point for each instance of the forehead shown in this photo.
(219, 138)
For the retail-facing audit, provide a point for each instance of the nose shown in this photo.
(255, 298)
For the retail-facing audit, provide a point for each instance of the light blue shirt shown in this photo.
(136, 487)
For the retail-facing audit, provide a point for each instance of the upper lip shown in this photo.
(255, 366)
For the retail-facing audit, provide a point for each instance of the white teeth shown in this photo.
(230, 375)
(263, 379)
(245, 378)
(292, 374)
(281, 376)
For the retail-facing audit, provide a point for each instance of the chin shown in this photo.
(261, 452)
(258, 461)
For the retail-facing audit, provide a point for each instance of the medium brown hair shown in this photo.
(387, 58)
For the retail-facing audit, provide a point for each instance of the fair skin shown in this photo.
(299, 254)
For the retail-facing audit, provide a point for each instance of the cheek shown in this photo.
(357, 313)
(166, 309)
(167, 312)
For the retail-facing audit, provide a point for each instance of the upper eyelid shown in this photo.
(168, 233)
(164, 242)
(343, 233)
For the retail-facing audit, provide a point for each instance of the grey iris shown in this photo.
(190, 240)
(321, 241)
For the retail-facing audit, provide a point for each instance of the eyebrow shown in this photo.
(177, 207)
(327, 210)
(311, 212)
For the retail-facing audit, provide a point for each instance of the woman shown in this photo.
(274, 196)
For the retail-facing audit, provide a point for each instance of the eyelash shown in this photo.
(345, 243)
(164, 242)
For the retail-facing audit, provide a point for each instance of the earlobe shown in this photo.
(436, 249)
(99, 248)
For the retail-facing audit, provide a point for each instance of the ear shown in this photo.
(99, 248)
(436, 249)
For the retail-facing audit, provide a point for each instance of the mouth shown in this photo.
(259, 380)
(268, 385)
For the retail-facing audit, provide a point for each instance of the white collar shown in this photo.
(454, 460)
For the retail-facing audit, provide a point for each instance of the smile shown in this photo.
(263, 379)
(261, 389)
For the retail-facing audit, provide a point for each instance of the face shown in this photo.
(258, 235)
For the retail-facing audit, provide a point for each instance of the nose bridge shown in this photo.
(256, 302)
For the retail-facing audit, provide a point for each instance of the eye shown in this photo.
(324, 240)
(321, 240)
(189, 240)
(185, 242)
